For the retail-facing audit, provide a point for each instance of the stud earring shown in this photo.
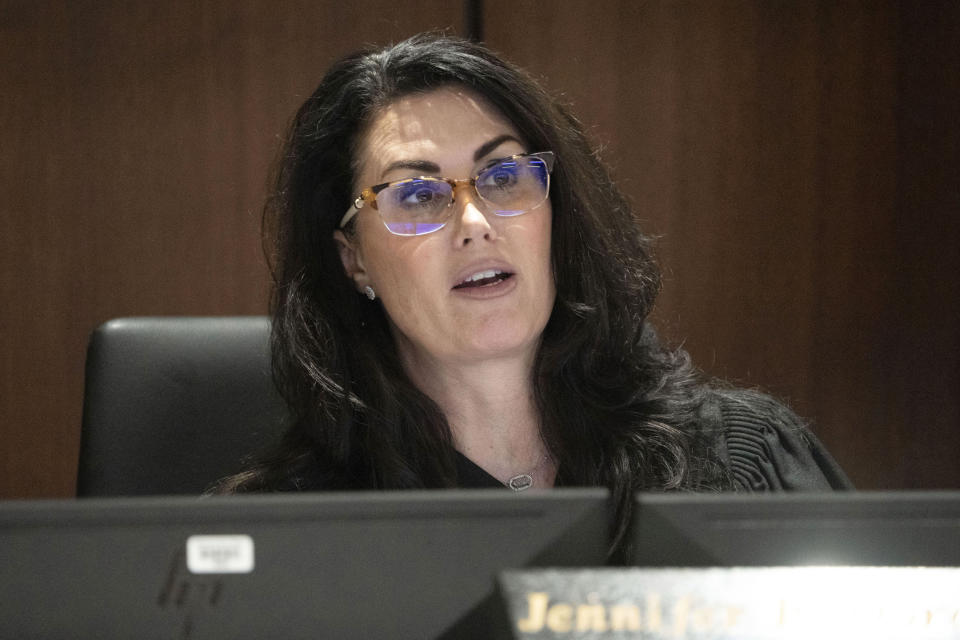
(369, 292)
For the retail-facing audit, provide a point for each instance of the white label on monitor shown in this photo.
(220, 554)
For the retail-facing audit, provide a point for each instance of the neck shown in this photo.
(490, 407)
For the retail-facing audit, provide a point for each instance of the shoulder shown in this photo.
(766, 446)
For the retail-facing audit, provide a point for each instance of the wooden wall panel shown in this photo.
(136, 140)
(925, 357)
(798, 162)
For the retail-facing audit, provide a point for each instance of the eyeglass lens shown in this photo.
(509, 188)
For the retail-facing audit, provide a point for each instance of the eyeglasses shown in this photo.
(418, 206)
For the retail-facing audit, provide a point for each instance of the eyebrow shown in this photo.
(431, 167)
(417, 165)
(487, 147)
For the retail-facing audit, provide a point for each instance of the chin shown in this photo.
(503, 343)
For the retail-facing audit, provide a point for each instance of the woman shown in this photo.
(461, 297)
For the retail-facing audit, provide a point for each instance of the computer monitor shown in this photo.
(786, 529)
(410, 564)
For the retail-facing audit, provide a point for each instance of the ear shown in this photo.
(352, 260)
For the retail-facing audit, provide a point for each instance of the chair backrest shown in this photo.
(173, 404)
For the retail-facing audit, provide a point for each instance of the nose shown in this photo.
(471, 221)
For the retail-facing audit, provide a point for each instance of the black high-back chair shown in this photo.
(173, 404)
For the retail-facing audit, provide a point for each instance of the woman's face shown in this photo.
(422, 281)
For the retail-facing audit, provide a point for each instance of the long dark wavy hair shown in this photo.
(617, 410)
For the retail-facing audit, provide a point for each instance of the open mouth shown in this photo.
(484, 279)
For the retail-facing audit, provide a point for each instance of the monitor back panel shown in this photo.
(398, 564)
(834, 528)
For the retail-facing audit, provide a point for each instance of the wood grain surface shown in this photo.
(798, 162)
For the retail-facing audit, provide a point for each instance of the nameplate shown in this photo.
(780, 603)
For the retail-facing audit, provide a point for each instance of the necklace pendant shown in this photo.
(520, 482)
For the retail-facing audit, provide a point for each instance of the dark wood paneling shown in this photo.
(799, 162)
(925, 357)
(136, 140)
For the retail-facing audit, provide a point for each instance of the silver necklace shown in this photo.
(523, 481)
